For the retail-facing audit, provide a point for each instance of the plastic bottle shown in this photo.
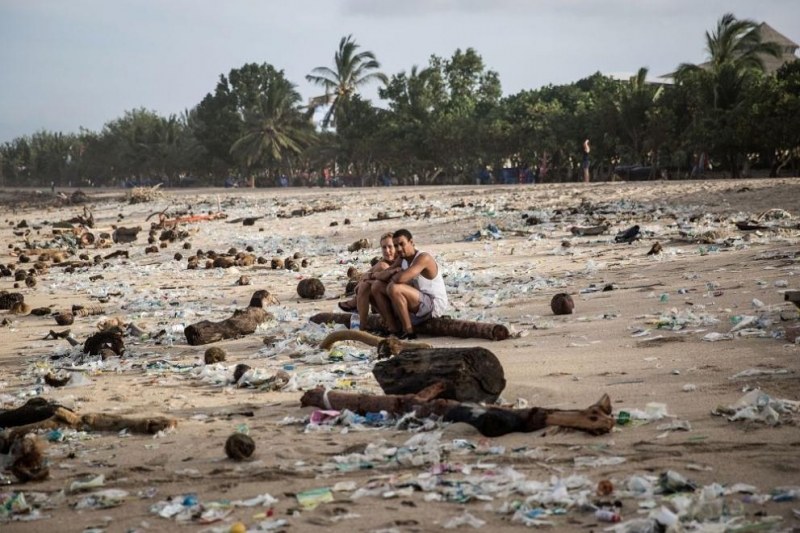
(785, 495)
(604, 515)
(355, 322)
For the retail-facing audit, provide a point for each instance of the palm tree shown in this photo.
(735, 49)
(351, 71)
(633, 102)
(274, 128)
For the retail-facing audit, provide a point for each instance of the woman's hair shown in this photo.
(387, 236)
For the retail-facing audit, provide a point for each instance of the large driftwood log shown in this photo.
(470, 374)
(490, 421)
(792, 296)
(438, 327)
(243, 322)
(38, 413)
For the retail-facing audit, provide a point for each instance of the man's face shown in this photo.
(405, 247)
(387, 249)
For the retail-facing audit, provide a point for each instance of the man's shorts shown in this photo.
(425, 309)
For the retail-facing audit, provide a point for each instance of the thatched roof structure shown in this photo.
(788, 48)
(771, 64)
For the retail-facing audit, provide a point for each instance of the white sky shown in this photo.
(66, 64)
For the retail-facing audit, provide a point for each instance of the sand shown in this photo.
(552, 361)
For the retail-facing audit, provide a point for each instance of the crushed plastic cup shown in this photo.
(655, 410)
(310, 499)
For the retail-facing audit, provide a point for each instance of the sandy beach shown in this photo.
(673, 337)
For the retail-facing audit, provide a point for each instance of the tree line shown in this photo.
(446, 122)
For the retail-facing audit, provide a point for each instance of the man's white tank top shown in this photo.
(433, 287)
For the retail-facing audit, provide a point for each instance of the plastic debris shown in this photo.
(464, 519)
(758, 406)
(489, 232)
(310, 499)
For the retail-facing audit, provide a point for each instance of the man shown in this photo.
(412, 290)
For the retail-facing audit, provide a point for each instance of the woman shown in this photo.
(388, 257)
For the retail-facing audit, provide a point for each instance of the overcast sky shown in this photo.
(66, 64)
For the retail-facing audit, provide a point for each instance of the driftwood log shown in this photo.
(490, 421)
(39, 413)
(792, 296)
(109, 339)
(243, 322)
(438, 327)
(386, 347)
(469, 374)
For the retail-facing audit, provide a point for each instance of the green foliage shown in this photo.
(351, 71)
(735, 64)
(442, 123)
(273, 126)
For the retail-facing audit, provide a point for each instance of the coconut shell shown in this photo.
(311, 288)
(64, 318)
(350, 288)
(214, 354)
(562, 304)
(239, 446)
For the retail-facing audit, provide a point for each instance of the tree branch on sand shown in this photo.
(490, 421)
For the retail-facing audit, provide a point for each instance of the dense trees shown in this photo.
(441, 123)
(725, 86)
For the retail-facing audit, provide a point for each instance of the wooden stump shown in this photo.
(437, 327)
(469, 374)
(243, 322)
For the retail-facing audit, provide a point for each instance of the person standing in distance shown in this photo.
(585, 162)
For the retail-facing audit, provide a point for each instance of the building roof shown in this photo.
(771, 64)
(770, 34)
(788, 48)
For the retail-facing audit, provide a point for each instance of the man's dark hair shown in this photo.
(403, 233)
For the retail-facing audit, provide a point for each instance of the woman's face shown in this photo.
(387, 249)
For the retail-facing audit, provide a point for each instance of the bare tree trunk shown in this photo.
(491, 421)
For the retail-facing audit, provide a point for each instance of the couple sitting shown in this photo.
(406, 286)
